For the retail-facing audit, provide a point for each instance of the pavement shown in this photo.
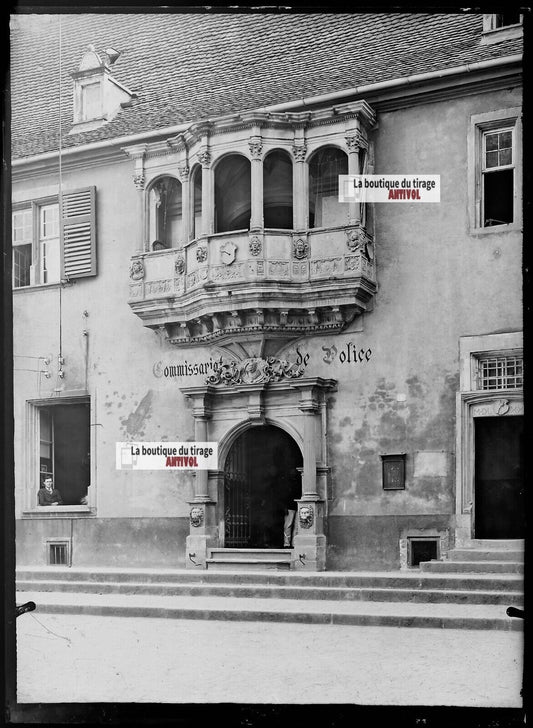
(94, 658)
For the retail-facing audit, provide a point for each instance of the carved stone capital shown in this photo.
(183, 172)
(139, 180)
(355, 141)
(299, 152)
(204, 157)
(256, 148)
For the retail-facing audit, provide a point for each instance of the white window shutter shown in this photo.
(78, 233)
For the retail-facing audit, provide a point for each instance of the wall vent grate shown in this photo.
(58, 553)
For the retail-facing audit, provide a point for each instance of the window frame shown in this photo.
(31, 472)
(480, 125)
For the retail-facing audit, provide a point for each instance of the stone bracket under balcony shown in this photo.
(268, 285)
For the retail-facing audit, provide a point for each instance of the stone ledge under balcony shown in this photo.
(196, 298)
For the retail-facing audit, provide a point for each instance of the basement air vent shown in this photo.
(422, 549)
(58, 553)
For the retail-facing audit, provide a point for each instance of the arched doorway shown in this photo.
(261, 480)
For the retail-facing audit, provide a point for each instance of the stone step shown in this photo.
(514, 544)
(452, 616)
(253, 555)
(414, 579)
(507, 598)
(475, 567)
(485, 555)
(262, 564)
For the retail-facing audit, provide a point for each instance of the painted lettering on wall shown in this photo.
(348, 354)
(185, 368)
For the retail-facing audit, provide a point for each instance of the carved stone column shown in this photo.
(355, 142)
(203, 533)
(183, 172)
(208, 204)
(300, 187)
(256, 152)
(137, 153)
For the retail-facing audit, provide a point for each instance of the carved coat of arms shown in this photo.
(227, 253)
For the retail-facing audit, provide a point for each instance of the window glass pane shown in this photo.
(506, 157)
(22, 260)
(326, 165)
(22, 226)
(50, 262)
(491, 159)
(505, 139)
(91, 101)
(498, 192)
(50, 221)
(491, 142)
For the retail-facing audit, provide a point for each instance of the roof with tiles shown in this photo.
(187, 67)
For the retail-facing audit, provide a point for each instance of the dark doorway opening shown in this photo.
(499, 482)
(260, 481)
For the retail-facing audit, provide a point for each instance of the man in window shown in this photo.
(48, 495)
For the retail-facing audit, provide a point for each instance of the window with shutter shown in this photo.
(78, 233)
(53, 239)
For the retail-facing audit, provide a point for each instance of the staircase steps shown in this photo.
(249, 559)
(482, 557)
(413, 598)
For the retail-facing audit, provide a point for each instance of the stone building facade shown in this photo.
(183, 270)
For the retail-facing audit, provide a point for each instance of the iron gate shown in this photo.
(237, 497)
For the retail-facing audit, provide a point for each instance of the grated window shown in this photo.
(500, 372)
(59, 553)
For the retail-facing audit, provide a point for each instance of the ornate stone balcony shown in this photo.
(270, 284)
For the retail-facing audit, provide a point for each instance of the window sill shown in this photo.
(59, 512)
(37, 286)
(495, 229)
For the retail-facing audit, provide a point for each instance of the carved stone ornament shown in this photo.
(136, 270)
(306, 516)
(196, 516)
(358, 242)
(254, 371)
(139, 180)
(300, 249)
(227, 253)
(256, 149)
(201, 254)
(179, 265)
(255, 246)
(204, 157)
(299, 151)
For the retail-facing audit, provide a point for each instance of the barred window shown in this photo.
(500, 372)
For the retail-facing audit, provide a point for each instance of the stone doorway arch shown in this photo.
(262, 479)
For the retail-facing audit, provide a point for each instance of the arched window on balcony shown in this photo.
(325, 165)
(277, 190)
(196, 202)
(166, 214)
(232, 194)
